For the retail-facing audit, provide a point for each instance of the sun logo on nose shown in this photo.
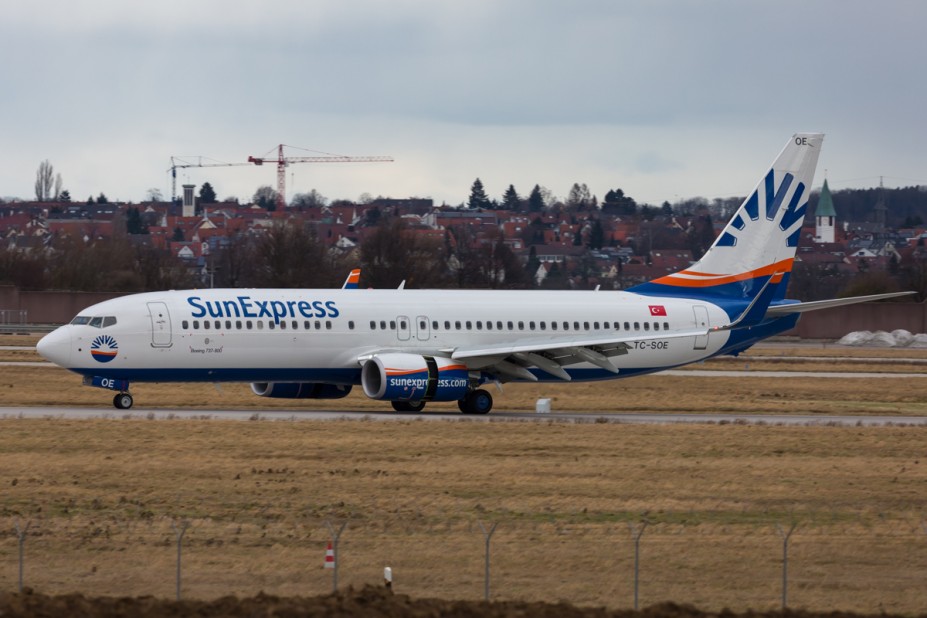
(104, 349)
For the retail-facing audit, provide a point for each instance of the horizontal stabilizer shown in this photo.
(779, 310)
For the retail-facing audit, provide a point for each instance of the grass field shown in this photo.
(100, 497)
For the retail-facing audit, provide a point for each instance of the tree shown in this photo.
(313, 199)
(65, 196)
(135, 224)
(510, 199)
(579, 197)
(207, 194)
(617, 203)
(101, 199)
(478, 197)
(393, 253)
(266, 198)
(44, 181)
(536, 200)
(289, 255)
(154, 195)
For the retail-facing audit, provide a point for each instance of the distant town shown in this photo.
(853, 241)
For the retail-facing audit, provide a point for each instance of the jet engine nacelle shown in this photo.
(300, 390)
(411, 377)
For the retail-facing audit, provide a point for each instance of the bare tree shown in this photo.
(58, 183)
(44, 181)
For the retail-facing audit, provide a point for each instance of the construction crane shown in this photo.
(282, 162)
(185, 162)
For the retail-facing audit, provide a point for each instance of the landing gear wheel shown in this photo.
(476, 402)
(123, 401)
(408, 406)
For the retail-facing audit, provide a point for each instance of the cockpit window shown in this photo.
(109, 321)
(80, 320)
(96, 322)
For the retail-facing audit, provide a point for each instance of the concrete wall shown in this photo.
(49, 307)
(60, 307)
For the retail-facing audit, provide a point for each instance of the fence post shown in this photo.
(21, 535)
(636, 533)
(488, 536)
(785, 561)
(179, 531)
(335, 537)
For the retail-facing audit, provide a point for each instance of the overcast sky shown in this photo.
(664, 99)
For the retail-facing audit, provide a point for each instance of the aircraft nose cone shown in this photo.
(56, 346)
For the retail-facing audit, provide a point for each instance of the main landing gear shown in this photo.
(123, 401)
(478, 401)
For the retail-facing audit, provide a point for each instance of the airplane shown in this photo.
(410, 347)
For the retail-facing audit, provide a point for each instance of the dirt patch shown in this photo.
(368, 602)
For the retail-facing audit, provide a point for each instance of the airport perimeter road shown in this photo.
(566, 417)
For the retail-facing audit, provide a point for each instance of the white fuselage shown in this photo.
(320, 335)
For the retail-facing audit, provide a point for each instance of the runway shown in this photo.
(640, 418)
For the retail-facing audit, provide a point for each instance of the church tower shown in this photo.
(825, 217)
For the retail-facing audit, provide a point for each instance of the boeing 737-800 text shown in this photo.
(410, 347)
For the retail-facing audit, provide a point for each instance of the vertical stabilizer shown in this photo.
(759, 241)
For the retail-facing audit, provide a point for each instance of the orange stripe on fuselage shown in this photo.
(675, 279)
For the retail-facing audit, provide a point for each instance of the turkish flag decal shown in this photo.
(657, 310)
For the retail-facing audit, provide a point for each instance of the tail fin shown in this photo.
(758, 244)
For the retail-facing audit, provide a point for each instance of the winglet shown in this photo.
(353, 279)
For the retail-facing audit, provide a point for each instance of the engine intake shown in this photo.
(411, 377)
(300, 390)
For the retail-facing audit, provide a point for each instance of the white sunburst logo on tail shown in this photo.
(104, 349)
(771, 202)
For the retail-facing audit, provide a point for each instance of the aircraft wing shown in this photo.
(551, 354)
(797, 307)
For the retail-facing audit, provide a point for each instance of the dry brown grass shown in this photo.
(101, 496)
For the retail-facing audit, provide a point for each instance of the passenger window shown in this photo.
(350, 324)
(196, 324)
(447, 325)
(627, 326)
(228, 325)
(553, 326)
(499, 325)
(184, 325)
(637, 326)
(531, 325)
(402, 324)
(392, 324)
(260, 325)
(205, 324)
(543, 325)
(295, 325)
(646, 325)
(218, 325)
(373, 325)
(510, 325)
(328, 325)
(382, 325)
(656, 326)
(665, 325)
(521, 326)
(488, 324)
(566, 326)
(457, 325)
(586, 325)
(237, 324)
(271, 325)
(434, 324)
(318, 325)
(479, 325)
(96, 322)
(469, 325)
(248, 324)
(308, 325)
(283, 325)
(108, 321)
(595, 325)
(422, 324)
(575, 325)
